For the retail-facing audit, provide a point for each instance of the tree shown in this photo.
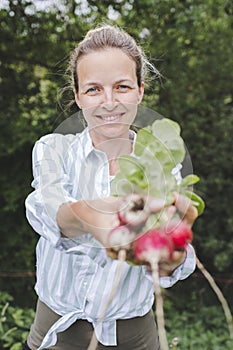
(189, 41)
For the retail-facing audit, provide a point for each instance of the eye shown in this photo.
(92, 90)
(123, 88)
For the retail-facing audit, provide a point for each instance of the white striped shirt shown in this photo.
(75, 276)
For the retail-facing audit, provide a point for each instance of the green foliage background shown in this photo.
(189, 41)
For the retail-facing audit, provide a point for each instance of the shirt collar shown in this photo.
(88, 145)
(86, 142)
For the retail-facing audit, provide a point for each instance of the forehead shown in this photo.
(106, 63)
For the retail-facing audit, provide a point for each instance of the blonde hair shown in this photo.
(109, 36)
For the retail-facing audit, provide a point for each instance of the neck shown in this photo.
(114, 148)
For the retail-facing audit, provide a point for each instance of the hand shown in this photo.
(185, 208)
(167, 267)
(97, 217)
(133, 212)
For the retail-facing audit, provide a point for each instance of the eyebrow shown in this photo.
(91, 83)
(124, 80)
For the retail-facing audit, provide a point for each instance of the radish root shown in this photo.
(154, 262)
(220, 296)
(122, 258)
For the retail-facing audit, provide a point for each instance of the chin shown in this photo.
(114, 131)
(110, 130)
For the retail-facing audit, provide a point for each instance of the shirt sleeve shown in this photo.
(52, 186)
(182, 271)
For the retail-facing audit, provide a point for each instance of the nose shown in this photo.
(109, 100)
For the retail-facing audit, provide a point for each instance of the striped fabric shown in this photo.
(74, 276)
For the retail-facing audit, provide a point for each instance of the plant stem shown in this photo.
(159, 302)
(220, 296)
(121, 257)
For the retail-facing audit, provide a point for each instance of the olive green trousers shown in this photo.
(139, 333)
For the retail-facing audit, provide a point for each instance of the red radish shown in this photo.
(133, 211)
(120, 237)
(153, 241)
(151, 247)
(180, 233)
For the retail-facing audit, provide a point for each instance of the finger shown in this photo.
(182, 202)
(170, 212)
(153, 204)
(178, 256)
(184, 205)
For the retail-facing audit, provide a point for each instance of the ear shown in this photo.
(77, 99)
(141, 92)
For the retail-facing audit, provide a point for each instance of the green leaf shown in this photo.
(189, 180)
(121, 186)
(16, 346)
(168, 132)
(144, 137)
(197, 201)
(133, 171)
(158, 149)
(129, 165)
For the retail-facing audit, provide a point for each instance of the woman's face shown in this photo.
(108, 93)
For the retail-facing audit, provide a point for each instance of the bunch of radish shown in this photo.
(150, 247)
(150, 236)
(152, 171)
(132, 241)
(131, 234)
(145, 235)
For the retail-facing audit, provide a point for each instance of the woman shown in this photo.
(71, 208)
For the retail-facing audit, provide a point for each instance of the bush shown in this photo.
(14, 323)
(196, 327)
(191, 329)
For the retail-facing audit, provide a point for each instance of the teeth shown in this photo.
(110, 118)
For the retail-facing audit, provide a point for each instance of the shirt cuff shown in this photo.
(182, 271)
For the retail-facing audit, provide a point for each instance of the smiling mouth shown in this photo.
(110, 118)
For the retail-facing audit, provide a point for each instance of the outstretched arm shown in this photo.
(97, 217)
